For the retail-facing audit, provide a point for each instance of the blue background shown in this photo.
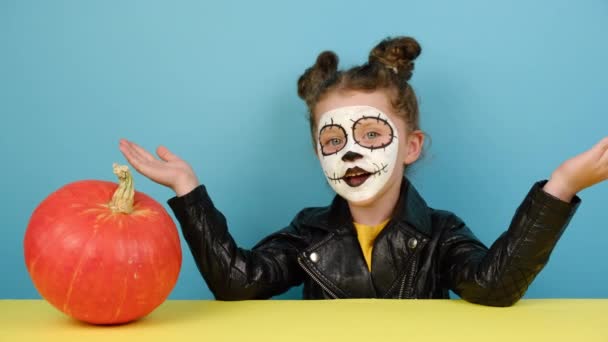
(508, 90)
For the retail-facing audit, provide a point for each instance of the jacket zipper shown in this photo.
(410, 279)
(311, 273)
(316, 279)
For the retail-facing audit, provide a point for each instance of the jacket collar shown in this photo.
(411, 209)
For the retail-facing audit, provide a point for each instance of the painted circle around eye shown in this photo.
(372, 132)
(332, 139)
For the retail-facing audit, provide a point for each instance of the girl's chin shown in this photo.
(366, 202)
(376, 197)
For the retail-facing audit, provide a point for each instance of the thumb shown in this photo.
(165, 154)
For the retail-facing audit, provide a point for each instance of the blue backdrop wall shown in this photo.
(508, 90)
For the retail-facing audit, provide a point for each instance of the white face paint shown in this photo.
(357, 147)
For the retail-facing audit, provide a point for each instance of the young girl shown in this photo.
(378, 238)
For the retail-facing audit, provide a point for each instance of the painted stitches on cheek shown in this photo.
(373, 132)
(332, 138)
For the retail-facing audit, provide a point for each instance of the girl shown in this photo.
(378, 238)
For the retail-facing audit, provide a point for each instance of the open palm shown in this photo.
(168, 170)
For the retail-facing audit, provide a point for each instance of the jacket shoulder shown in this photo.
(449, 228)
(444, 219)
(311, 216)
(298, 231)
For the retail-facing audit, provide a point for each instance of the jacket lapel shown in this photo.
(339, 262)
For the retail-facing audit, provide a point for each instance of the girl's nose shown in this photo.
(351, 156)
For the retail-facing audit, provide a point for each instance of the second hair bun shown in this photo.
(397, 54)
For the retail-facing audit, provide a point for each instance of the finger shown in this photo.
(123, 144)
(141, 151)
(596, 152)
(127, 147)
(602, 145)
(149, 167)
(132, 157)
(152, 169)
(165, 154)
(601, 151)
(602, 148)
(604, 155)
(139, 161)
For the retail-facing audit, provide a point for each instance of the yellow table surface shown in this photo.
(583, 320)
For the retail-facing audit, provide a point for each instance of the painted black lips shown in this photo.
(356, 176)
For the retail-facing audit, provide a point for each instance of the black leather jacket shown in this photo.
(421, 253)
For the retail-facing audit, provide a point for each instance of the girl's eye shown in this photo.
(332, 138)
(372, 132)
(335, 141)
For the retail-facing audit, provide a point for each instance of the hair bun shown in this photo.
(313, 79)
(397, 54)
(327, 62)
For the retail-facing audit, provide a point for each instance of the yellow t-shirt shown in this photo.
(367, 236)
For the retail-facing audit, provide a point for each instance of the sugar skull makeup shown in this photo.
(357, 147)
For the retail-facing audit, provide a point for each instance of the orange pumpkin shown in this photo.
(100, 253)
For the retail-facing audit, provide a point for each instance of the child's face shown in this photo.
(362, 145)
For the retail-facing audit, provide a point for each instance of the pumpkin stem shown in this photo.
(122, 200)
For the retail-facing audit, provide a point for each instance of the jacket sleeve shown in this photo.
(500, 275)
(233, 273)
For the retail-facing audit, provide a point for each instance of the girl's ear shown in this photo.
(413, 147)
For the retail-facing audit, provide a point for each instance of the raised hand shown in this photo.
(580, 172)
(169, 170)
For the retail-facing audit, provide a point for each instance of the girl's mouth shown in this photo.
(354, 177)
